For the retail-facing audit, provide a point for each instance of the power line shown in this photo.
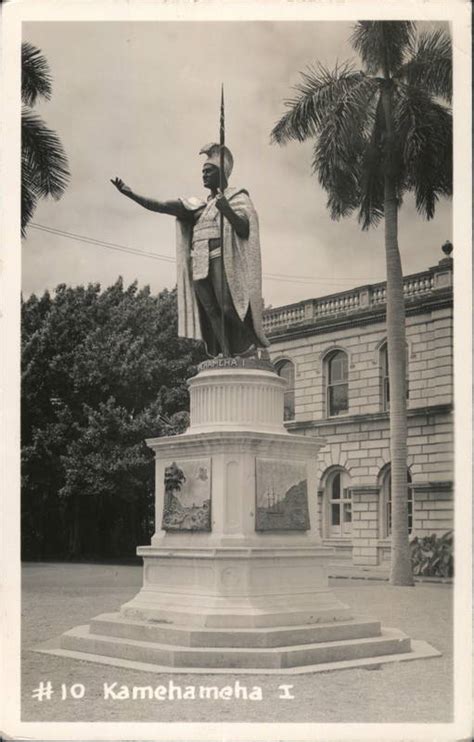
(102, 243)
(168, 259)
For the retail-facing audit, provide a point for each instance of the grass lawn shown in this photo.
(57, 597)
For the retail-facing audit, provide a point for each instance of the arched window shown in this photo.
(337, 386)
(385, 384)
(286, 370)
(387, 503)
(338, 504)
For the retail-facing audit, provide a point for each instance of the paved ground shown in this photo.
(345, 568)
(57, 597)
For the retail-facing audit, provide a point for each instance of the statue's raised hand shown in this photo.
(121, 186)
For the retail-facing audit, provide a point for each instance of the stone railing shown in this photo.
(343, 302)
(420, 283)
(281, 316)
(361, 298)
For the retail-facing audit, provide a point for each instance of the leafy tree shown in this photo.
(101, 371)
(379, 133)
(44, 166)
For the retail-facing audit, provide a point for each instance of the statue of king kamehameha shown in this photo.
(219, 271)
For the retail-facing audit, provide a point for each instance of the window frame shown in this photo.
(343, 529)
(330, 385)
(289, 392)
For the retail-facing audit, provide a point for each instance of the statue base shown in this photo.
(235, 576)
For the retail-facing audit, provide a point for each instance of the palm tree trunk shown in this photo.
(400, 571)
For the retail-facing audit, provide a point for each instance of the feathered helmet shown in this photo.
(213, 157)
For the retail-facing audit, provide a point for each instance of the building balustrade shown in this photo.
(360, 298)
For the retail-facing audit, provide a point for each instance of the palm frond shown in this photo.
(339, 177)
(35, 74)
(430, 64)
(29, 200)
(371, 204)
(342, 111)
(333, 106)
(382, 43)
(318, 92)
(339, 151)
(424, 130)
(44, 161)
(337, 169)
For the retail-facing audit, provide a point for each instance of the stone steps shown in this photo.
(389, 642)
(113, 624)
(246, 614)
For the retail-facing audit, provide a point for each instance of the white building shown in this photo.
(332, 351)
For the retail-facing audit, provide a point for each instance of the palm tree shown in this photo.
(44, 166)
(381, 132)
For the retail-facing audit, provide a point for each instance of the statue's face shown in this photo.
(210, 176)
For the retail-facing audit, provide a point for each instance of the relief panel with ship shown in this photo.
(282, 496)
(187, 504)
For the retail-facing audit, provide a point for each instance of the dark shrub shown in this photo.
(433, 556)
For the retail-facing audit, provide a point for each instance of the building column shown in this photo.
(365, 524)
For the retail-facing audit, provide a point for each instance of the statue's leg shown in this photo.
(240, 336)
(208, 300)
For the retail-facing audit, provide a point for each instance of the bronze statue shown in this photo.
(218, 302)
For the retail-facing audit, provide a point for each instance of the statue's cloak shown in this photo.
(242, 264)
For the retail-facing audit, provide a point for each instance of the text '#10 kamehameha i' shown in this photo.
(169, 692)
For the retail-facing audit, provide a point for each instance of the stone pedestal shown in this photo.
(235, 576)
(252, 566)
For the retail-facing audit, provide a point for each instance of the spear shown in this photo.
(221, 186)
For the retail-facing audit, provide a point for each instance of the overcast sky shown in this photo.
(139, 100)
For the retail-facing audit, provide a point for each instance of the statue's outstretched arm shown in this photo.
(173, 208)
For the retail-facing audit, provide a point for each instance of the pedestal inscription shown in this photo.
(282, 496)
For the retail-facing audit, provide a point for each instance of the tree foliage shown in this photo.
(44, 165)
(101, 371)
(342, 109)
